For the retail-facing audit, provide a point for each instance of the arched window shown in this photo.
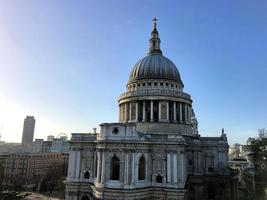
(86, 175)
(141, 168)
(115, 168)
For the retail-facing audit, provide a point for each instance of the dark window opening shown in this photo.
(178, 112)
(190, 162)
(86, 175)
(183, 112)
(167, 84)
(115, 168)
(138, 85)
(155, 83)
(85, 198)
(154, 43)
(115, 130)
(95, 175)
(141, 168)
(171, 111)
(159, 179)
(147, 110)
(161, 84)
(144, 84)
(149, 83)
(211, 192)
(140, 111)
(171, 85)
(155, 111)
(211, 169)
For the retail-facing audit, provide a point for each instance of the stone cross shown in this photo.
(155, 22)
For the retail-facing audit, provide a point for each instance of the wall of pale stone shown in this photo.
(169, 157)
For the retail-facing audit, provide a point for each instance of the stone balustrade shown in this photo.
(155, 92)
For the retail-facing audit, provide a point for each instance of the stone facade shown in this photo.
(154, 150)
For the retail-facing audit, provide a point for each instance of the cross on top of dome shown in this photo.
(155, 22)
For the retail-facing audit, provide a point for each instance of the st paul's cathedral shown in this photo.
(155, 150)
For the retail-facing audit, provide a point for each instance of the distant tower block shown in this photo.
(28, 130)
(50, 138)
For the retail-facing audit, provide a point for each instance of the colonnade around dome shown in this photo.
(155, 111)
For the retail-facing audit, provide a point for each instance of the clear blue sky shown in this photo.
(66, 62)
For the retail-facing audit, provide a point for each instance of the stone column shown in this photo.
(199, 162)
(185, 113)
(122, 113)
(168, 167)
(130, 112)
(159, 112)
(174, 162)
(189, 114)
(126, 163)
(98, 167)
(179, 168)
(136, 111)
(144, 111)
(181, 112)
(103, 168)
(167, 114)
(195, 161)
(125, 112)
(78, 164)
(71, 168)
(119, 113)
(174, 112)
(133, 174)
(151, 111)
(182, 167)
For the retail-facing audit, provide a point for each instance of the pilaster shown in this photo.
(103, 168)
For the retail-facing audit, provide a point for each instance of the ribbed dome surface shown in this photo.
(155, 66)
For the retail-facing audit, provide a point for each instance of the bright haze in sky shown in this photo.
(67, 62)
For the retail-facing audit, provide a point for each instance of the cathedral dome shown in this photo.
(155, 66)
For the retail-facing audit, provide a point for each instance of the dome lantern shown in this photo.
(154, 41)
